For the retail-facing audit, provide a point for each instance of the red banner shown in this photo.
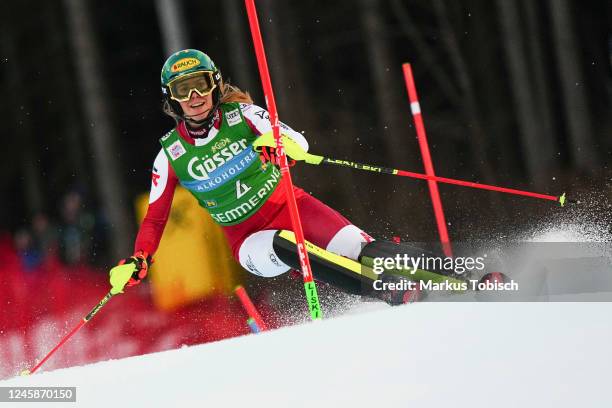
(38, 307)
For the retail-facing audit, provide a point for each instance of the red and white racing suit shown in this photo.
(251, 240)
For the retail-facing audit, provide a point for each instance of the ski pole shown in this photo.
(119, 276)
(87, 318)
(309, 284)
(296, 152)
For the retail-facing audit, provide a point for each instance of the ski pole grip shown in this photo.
(293, 150)
(119, 277)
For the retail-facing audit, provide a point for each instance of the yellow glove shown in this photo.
(120, 275)
(293, 150)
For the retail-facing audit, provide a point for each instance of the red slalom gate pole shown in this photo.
(297, 153)
(309, 284)
(403, 173)
(250, 307)
(559, 199)
(415, 107)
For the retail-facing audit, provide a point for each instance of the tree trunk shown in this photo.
(282, 50)
(386, 77)
(427, 58)
(241, 57)
(23, 136)
(171, 25)
(272, 34)
(525, 102)
(572, 82)
(300, 101)
(59, 66)
(478, 140)
(106, 159)
(541, 91)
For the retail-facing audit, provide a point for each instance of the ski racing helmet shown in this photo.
(190, 71)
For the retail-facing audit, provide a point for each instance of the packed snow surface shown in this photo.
(420, 355)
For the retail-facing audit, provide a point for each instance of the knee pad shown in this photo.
(257, 255)
(348, 242)
(272, 252)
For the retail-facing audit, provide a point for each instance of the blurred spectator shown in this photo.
(30, 256)
(75, 230)
(35, 244)
(44, 235)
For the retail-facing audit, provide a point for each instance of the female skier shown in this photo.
(210, 153)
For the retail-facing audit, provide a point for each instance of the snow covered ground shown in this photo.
(421, 355)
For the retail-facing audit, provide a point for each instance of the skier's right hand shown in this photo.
(129, 271)
(141, 261)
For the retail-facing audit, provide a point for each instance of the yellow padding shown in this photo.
(119, 277)
(292, 148)
(345, 263)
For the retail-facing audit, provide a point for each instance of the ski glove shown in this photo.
(141, 261)
(267, 154)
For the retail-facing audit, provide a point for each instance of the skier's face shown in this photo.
(197, 107)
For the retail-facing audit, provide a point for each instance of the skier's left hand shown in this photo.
(268, 155)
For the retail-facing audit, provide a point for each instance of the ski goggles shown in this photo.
(201, 82)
